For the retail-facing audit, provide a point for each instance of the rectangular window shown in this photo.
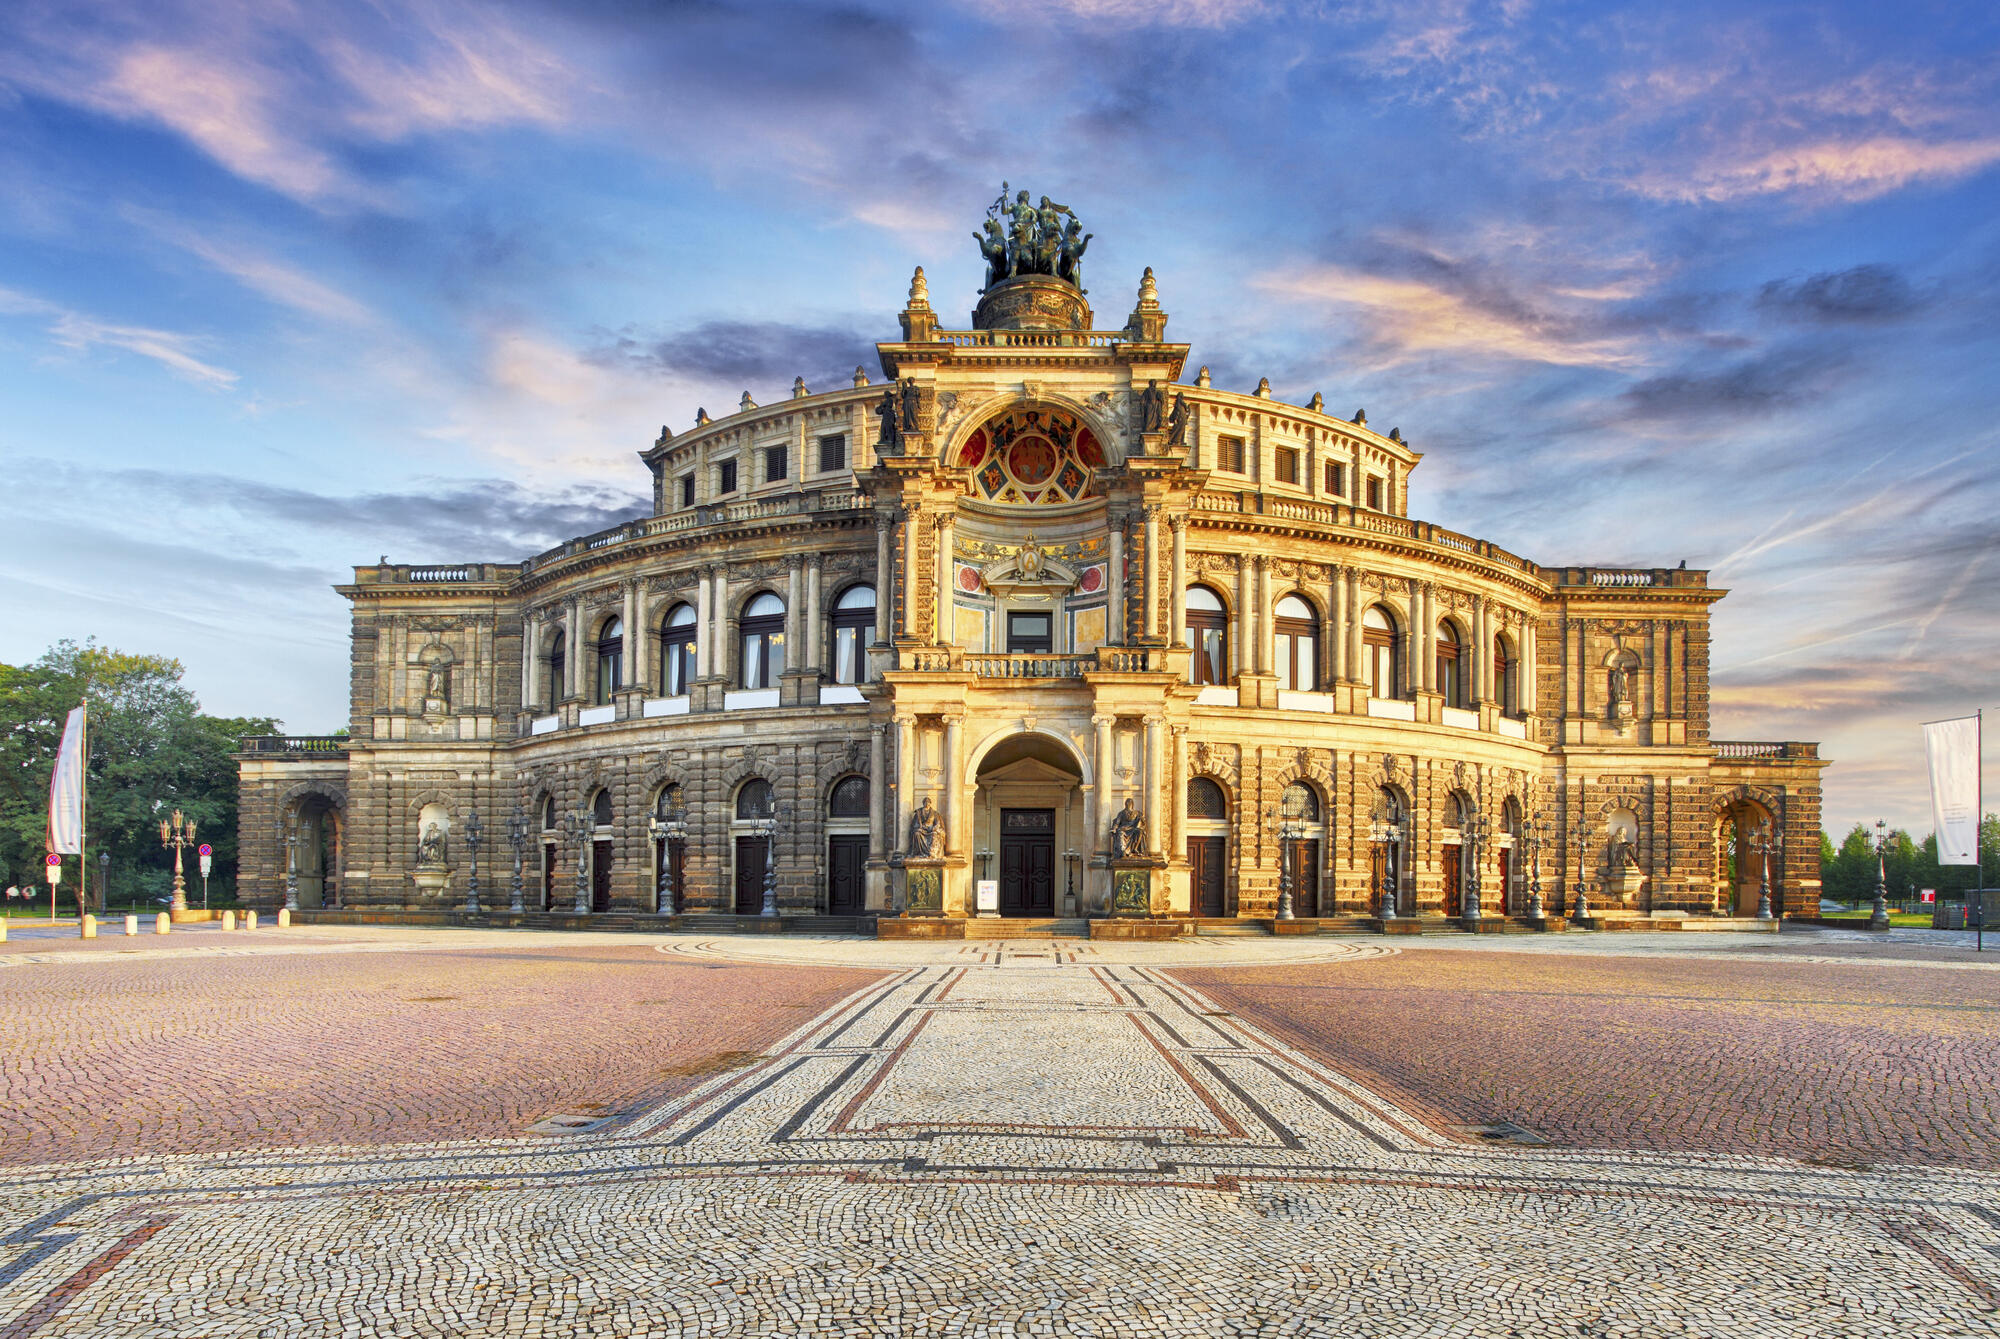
(1336, 479)
(1288, 465)
(725, 477)
(833, 453)
(1375, 494)
(775, 464)
(1030, 633)
(1229, 454)
(687, 490)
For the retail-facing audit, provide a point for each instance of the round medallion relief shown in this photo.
(1032, 460)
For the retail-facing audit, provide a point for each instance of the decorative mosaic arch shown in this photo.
(1033, 454)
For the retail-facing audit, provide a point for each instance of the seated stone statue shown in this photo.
(430, 846)
(1128, 833)
(926, 832)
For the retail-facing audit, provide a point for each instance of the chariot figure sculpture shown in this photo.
(1020, 238)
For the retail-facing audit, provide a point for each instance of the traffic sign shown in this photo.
(54, 870)
(52, 859)
(204, 849)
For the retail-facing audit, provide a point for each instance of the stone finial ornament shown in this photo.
(666, 435)
(1149, 291)
(1395, 434)
(799, 391)
(860, 376)
(701, 418)
(920, 289)
(745, 403)
(1318, 403)
(1361, 417)
(1201, 377)
(1263, 388)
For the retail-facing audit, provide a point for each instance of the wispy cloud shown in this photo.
(81, 333)
(1846, 170)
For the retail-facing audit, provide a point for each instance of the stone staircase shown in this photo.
(1230, 925)
(1004, 927)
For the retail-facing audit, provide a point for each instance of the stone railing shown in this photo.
(331, 746)
(1033, 339)
(800, 503)
(1633, 578)
(1129, 659)
(1030, 666)
(1765, 748)
(1251, 503)
(400, 574)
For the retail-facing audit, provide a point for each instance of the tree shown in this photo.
(151, 751)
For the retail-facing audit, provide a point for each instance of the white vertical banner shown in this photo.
(1952, 748)
(66, 791)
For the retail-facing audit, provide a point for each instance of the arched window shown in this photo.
(1452, 664)
(1297, 658)
(1380, 667)
(672, 799)
(853, 628)
(1300, 803)
(1208, 635)
(600, 809)
(558, 662)
(677, 648)
(1205, 799)
(763, 641)
(610, 659)
(1506, 675)
(849, 798)
(754, 799)
(548, 813)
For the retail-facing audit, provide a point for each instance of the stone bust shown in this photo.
(1128, 833)
(926, 831)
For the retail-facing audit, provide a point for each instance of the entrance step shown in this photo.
(1019, 927)
(1230, 925)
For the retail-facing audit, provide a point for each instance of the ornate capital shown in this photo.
(1178, 523)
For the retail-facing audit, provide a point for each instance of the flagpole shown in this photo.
(83, 814)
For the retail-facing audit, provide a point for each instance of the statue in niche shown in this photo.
(437, 685)
(1152, 406)
(1624, 855)
(886, 411)
(1128, 833)
(926, 832)
(430, 846)
(911, 398)
(1177, 422)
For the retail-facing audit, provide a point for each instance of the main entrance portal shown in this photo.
(1027, 862)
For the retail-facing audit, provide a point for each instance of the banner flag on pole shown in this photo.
(66, 791)
(1952, 748)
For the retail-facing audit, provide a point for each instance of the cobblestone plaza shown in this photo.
(401, 1131)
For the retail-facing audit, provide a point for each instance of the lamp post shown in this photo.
(1536, 830)
(985, 858)
(668, 826)
(291, 840)
(1072, 861)
(1387, 828)
(582, 826)
(1473, 835)
(1289, 830)
(767, 825)
(178, 833)
(517, 837)
(1585, 836)
(104, 881)
(473, 829)
(1878, 919)
(1762, 844)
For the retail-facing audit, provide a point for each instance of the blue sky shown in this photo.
(287, 286)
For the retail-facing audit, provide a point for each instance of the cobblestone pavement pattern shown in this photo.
(1048, 1139)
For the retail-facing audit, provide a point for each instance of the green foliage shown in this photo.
(1908, 865)
(151, 752)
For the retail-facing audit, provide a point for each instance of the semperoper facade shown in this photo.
(1037, 612)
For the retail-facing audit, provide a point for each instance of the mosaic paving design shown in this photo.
(999, 1139)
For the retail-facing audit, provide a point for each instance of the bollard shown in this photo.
(249, 920)
(88, 926)
(284, 918)
(3, 929)
(228, 920)
(131, 925)
(162, 923)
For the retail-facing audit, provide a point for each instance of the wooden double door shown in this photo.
(846, 874)
(1302, 867)
(752, 853)
(1027, 862)
(600, 876)
(1206, 874)
(1454, 883)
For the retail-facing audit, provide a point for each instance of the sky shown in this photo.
(286, 287)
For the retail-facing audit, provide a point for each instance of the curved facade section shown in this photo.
(1037, 611)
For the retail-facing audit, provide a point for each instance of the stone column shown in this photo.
(906, 781)
(1260, 614)
(1177, 779)
(794, 608)
(885, 575)
(941, 613)
(953, 783)
(1116, 631)
(639, 637)
(531, 662)
(1154, 773)
(1336, 631)
(911, 584)
(1355, 601)
(572, 649)
(878, 790)
(1151, 584)
(1177, 595)
(814, 615)
(1103, 768)
(719, 606)
(629, 615)
(1527, 651)
(1245, 658)
(704, 626)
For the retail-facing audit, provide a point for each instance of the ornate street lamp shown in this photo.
(517, 837)
(1473, 834)
(178, 833)
(1388, 828)
(1878, 919)
(582, 826)
(766, 825)
(1290, 829)
(1537, 831)
(985, 858)
(1762, 844)
(473, 829)
(1072, 860)
(1586, 835)
(668, 827)
(291, 840)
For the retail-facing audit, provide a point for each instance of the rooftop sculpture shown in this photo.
(1022, 238)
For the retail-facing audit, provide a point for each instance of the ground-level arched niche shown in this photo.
(1030, 827)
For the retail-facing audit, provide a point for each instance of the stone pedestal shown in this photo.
(1134, 885)
(432, 882)
(923, 886)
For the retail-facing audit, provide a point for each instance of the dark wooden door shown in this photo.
(600, 876)
(1027, 862)
(1453, 882)
(1506, 907)
(549, 859)
(1205, 874)
(751, 853)
(1302, 863)
(846, 875)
